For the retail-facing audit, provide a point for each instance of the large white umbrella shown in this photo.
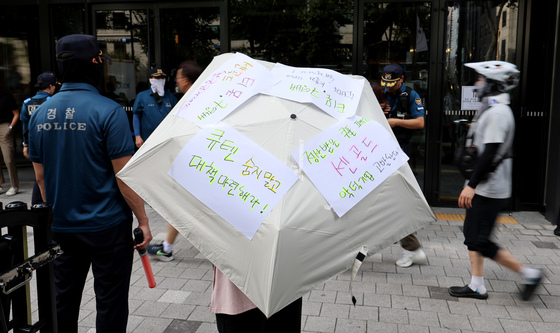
(302, 242)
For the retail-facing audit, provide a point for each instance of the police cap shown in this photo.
(392, 73)
(78, 46)
(45, 79)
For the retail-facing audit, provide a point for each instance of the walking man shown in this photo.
(489, 187)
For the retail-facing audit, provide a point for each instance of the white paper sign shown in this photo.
(349, 160)
(233, 176)
(335, 93)
(469, 100)
(233, 83)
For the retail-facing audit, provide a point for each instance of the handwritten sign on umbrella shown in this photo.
(355, 155)
(233, 176)
(336, 94)
(233, 83)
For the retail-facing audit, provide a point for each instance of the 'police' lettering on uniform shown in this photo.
(56, 126)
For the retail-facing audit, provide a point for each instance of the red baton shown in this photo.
(139, 238)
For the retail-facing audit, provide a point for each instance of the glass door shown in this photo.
(475, 31)
(155, 35)
(188, 34)
(398, 33)
(125, 36)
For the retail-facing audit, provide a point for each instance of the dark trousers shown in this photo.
(479, 222)
(110, 254)
(36, 194)
(287, 320)
(410, 243)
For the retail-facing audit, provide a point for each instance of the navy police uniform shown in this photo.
(415, 110)
(150, 113)
(29, 106)
(75, 136)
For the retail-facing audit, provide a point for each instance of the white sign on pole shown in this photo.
(233, 83)
(349, 160)
(233, 176)
(336, 94)
(469, 100)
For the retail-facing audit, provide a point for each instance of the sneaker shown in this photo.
(1, 189)
(12, 191)
(466, 292)
(529, 287)
(157, 252)
(556, 231)
(411, 257)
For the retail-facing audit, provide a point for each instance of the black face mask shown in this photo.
(80, 70)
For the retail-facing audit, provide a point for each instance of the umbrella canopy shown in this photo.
(302, 241)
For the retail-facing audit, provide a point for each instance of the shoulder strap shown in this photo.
(408, 90)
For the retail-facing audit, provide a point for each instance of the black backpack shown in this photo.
(466, 157)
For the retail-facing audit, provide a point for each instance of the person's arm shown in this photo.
(417, 123)
(39, 176)
(24, 121)
(484, 164)
(482, 167)
(136, 125)
(134, 201)
(13, 123)
(15, 118)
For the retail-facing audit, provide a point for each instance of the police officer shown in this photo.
(405, 115)
(187, 74)
(46, 85)
(78, 141)
(151, 106)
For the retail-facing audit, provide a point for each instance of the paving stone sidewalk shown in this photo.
(390, 299)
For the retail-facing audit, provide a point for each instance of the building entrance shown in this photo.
(396, 33)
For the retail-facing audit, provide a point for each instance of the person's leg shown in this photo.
(412, 252)
(3, 149)
(477, 269)
(170, 239)
(477, 263)
(8, 153)
(473, 230)
(36, 194)
(491, 209)
(164, 251)
(112, 267)
(249, 321)
(506, 259)
(287, 320)
(532, 277)
(70, 273)
(410, 243)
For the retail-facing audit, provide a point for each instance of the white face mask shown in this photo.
(158, 86)
(480, 89)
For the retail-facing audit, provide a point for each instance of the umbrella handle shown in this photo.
(355, 267)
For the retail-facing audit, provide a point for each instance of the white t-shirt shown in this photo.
(496, 125)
